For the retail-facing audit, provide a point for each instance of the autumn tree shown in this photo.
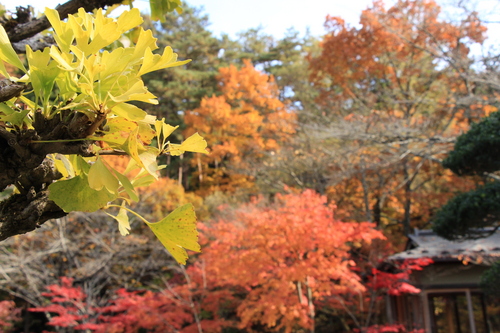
(286, 60)
(71, 308)
(181, 89)
(246, 121)
(393, 107)
(288, 256)
(475, 155)
(9, 315)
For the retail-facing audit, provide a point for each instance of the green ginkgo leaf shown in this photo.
(99, 176)
(8, 114)
(160, 7)
(177, 232)
(75, 194)
(127, 186)
(129, 111)
(43, 73)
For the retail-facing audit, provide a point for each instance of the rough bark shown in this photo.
(22, 213)
(24, 164)
(36, 42)
(23, 157)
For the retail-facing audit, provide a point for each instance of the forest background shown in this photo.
(324, 154)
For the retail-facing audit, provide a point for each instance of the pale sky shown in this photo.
(276, 16)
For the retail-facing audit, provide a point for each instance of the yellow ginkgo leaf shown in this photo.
(137, 92)
(63, 35)
(129, 111)
(123, 221)
(154, 62)
(195, 143)
(134, 148)
(163, 131)
(148, 160)
(177, 232)
(174, 149)
(144, 41)
(7, 52)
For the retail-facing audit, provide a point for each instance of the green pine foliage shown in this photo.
(183, 88)
(466, 213)
(490, 281)
(478, 150)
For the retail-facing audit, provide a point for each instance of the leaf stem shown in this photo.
(63, 140)
(130, 211)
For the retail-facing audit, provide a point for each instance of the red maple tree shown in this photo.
(286, 256)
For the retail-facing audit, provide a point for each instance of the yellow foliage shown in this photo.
(246, 120)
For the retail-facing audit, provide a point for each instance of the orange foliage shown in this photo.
(395, 64)
(397, 45)
(246, 120)
(386, 195)
(286, 257)
(119, 163)
(389, 85)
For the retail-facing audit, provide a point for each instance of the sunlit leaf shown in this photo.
(63, 165)
(144, 41)
(7, 52)
(15, 117)
(132, 146)
(146, 132)
(129, 111)
(137, 92)
(100, 176)
(161, 7)
(43, 73)
(195, 143)
(123, 221)
(144, 180)
(64, 37)
(177, 232)
(163, 131)
(60, 58)
(154, 62)
(149, 161)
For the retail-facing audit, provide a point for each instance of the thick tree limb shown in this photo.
(10, 90)
(37, 42)
(24, 164)
(22, 213)
(31, 28)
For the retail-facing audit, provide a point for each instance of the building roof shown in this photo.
(426, 244)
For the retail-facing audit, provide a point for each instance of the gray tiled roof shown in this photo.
(425, 243)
